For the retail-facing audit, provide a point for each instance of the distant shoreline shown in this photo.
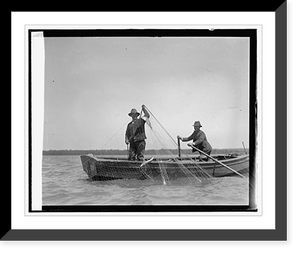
(147, 152)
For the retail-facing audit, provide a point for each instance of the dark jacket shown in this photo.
(200, 141)
(136, 130)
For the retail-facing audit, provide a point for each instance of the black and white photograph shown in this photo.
(159, 118)
(149, 127)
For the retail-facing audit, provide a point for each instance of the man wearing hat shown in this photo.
(199, 139)
(135, 134)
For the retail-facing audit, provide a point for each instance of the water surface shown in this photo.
(65, 183)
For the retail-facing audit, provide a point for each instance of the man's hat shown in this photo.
(197, 123)
(133, 111)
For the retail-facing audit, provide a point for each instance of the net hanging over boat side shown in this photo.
(187, 165)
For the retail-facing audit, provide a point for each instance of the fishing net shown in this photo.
(158, 170)
(166, 147)
(162, 164)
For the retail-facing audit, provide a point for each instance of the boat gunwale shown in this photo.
(169, 160)
(210, 166)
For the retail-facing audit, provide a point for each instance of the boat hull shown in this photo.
(111, 169)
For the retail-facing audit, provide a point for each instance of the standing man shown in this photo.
(199, 139)
(135, 134)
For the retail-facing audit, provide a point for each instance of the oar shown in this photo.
(221, 163)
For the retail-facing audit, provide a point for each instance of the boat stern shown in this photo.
(88, 164)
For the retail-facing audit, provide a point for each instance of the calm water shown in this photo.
(64, 182)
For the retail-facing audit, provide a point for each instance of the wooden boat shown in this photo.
(98, 168)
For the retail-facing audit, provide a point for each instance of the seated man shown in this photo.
(135, 134)
(199, 139)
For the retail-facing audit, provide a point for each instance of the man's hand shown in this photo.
(145, 111)
(190, 144)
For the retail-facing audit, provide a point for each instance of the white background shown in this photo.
(263, 219)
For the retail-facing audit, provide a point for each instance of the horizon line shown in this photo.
(116, 149)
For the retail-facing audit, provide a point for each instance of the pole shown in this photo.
(127, 151)
(178, 144)
(217, 161)
(244, 148)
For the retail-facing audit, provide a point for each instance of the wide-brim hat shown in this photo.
(133, 112)
(197, 123)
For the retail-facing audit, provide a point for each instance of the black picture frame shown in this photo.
(277, 234)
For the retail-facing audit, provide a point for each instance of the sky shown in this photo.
(92, 83)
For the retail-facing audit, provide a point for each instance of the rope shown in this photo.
(114, 135)
(162, 127)
(109, 141)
